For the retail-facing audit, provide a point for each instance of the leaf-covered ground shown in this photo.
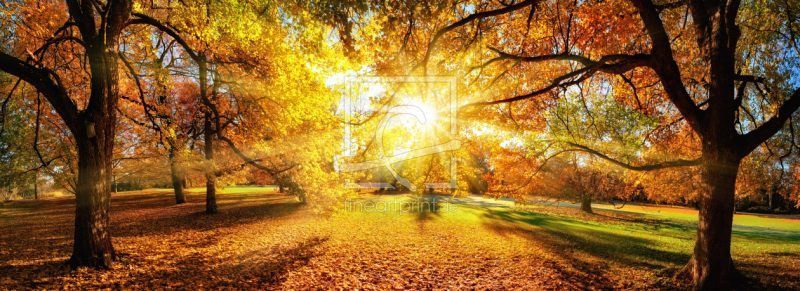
(264, 240)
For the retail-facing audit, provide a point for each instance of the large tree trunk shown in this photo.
(92, 245)
(711, 266)
(586, 204)
(177, 180)
(94, 137)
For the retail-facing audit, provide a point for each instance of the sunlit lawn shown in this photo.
(263, 239)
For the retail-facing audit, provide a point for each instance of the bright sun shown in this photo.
(430, 113)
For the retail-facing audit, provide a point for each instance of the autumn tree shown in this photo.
(163, 106)
(88, 111)
(257, 90)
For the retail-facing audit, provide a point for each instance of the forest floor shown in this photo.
(265, 240)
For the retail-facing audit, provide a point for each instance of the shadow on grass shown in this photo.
(424, 207)
(785, 254)
(475, 201)
(427, 207)
(756, 233)
(256, 269)
(270, 266)
(192, 218)
(581, 246)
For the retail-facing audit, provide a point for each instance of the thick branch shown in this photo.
(700, 20)
(748, 78)
(621, 64)
(117, 15)
(41, 80)
(144, 19)
(753, 139)
(665, 66)
(612, 64)
(81, 12)
(650, 167)
(250, 161)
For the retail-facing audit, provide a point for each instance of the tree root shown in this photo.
(702, 278)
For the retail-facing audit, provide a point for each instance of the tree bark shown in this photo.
(92, 245)
(711, 266)
(211, 188)
(94, 137)
(36, 185)
(770, 200)
(586, 204)
(208, 136)
(177, 180)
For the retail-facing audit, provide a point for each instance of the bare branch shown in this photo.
(472, 17)
(622, 64)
